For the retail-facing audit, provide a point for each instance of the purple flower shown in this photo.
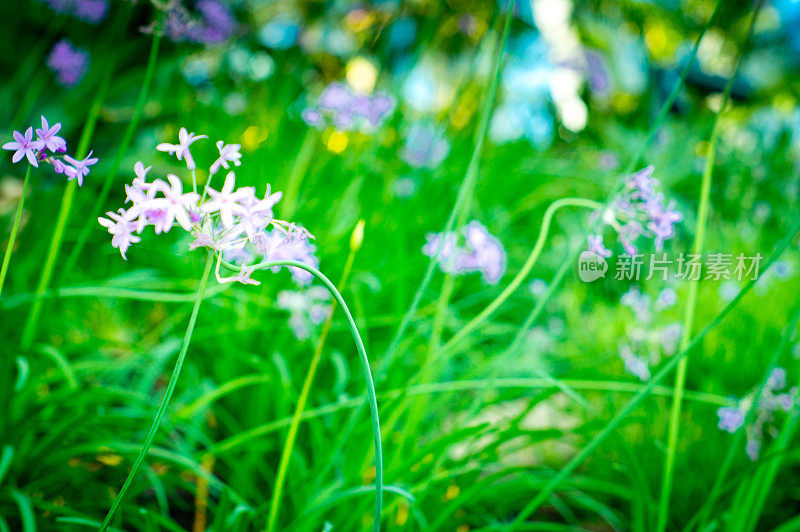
(121, 227)
(753, 447)
(642, 182)
(425, 146)
(227, 153)
(217, 25)
(596, 246)
(777, 379)
(666, 298)
(486, 256)
(307, 308)
(24, 146)
(294, 246)
(81, 167)
(312, 117)
(731, 419)
(481, 252)
(91, 11)
(634, 365)
(346, 110)
(226, 201)
(181, 150)
(68, 63)
(49, 139)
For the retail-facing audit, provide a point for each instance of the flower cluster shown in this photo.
(772, 399)
(640, 211)
(341, 107)
(480, 252)
(91, 11)
(68, 63)
(233, 222)
(425, 146)
(307, 308)
(47, 140)
(647, 340)
(213, 22)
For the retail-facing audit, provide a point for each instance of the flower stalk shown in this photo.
(14, 229)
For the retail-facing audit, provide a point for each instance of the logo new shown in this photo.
(591, 266)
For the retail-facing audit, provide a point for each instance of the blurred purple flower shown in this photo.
(425, 146)
(731, 419)
(68, 63)
(91, 11)
(482, 252)
(345, 110)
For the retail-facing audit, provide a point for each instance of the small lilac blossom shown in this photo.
(633, 364)
(226, 201)
(339, 107)
(217, 23)
(641, 211)
(122, 230)
(91, 11)
(178, 203)
(666, 299)
(777, 379)
(596, 246)
(731, 419)
(481, 252)
(49, 138)
(234, 223)
(68, 63)
(35, 151)
(140, 181)
(181, 150)
(762, 409)
(425, 146)
(81, 167)
(24, 146)
(308, 308)
(227, 153)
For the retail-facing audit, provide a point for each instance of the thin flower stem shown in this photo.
(654, 128)
(14, 229)
(291, 436)
(127, 137)
(463, 196)
(746, 511)
(526, 268)
(370, 385)
(301, 163)
(31, 323)
(162, 408)
(643, 393)
(691, 303)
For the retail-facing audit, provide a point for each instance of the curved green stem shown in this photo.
(371, 397)
(127, 136)
(162, 408)
(14, 229)
(691, 303)
(526, 268)
(644, 392)
(291, 436)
